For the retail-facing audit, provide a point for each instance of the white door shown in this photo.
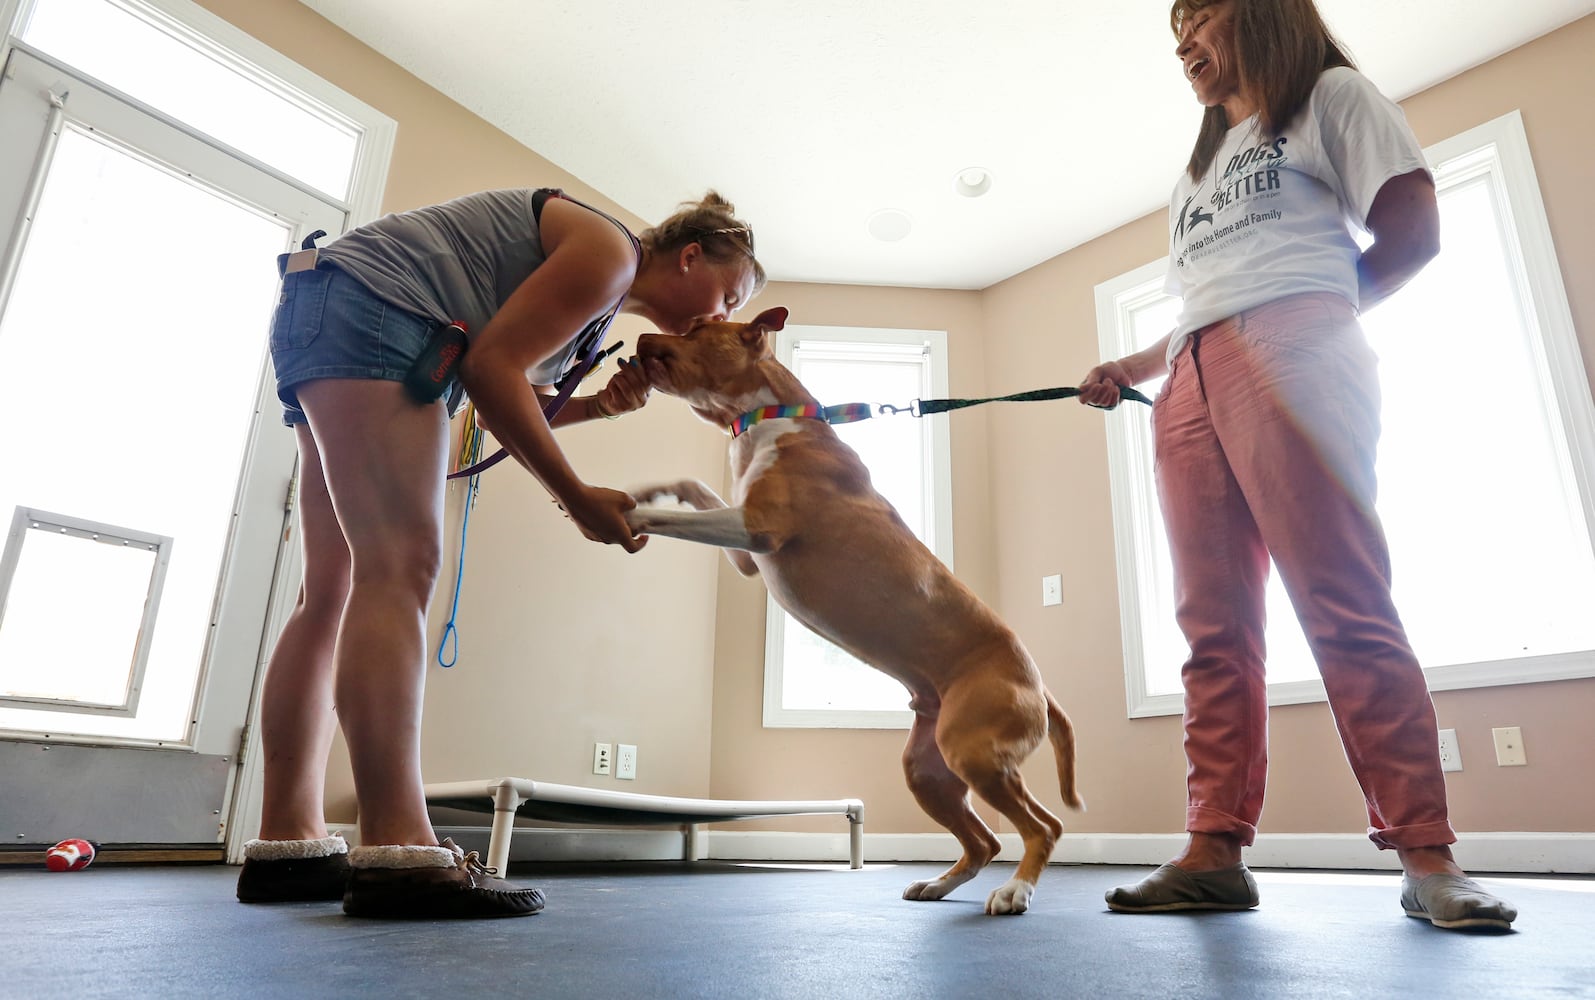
(143, 463)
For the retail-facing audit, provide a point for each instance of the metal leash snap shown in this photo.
(888, 410)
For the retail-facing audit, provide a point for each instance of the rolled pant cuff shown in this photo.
(1201, 819)
(1400, 838)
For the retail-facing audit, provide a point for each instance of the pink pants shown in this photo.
(1266, 432)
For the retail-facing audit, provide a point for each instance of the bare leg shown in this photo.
(383, 459)
(1206, 852)
(296, 715)
(945, 798)
(1420, 862)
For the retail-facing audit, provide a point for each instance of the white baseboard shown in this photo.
(1561, 853)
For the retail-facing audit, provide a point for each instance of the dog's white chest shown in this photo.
(757, 452)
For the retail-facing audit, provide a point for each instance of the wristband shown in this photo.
(598, 408)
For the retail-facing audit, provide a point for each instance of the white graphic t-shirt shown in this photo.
(1274, 215)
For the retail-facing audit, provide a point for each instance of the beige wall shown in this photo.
(564, 642)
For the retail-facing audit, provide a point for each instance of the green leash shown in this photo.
(847, 413)
(920, 407)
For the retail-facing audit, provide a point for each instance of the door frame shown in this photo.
(205, 30)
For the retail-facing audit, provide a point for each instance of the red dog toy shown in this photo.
(69, 856)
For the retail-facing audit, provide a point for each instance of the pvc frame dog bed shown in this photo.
(507, 798)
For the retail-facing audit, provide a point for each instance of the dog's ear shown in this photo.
(755, 334)
(770, 320)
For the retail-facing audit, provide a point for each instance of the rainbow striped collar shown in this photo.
(841, 414)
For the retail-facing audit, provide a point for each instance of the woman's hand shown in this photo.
(601, 515)
(1100, 387)
(627, 390)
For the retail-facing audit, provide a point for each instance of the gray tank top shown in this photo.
(456, 261)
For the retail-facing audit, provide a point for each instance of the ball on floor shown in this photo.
(69, 856)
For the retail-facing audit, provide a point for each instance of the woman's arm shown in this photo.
(1405, 223)
(590, 264)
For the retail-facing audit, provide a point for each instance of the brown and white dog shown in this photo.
(837, 556)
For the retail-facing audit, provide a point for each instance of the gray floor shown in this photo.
(718, 929)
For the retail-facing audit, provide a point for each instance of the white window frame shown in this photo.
(255, 60)
(1500, 149)
(938, 454)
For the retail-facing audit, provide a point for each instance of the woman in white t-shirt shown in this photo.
(1266, 432)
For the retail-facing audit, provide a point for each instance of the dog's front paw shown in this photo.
(1013, 896)
(935, 888)
(659, 494)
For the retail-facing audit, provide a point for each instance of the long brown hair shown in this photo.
(1282, 47)
(711, 223)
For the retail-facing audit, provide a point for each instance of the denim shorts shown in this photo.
(329, 325)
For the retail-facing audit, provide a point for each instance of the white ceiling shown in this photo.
(813, 115)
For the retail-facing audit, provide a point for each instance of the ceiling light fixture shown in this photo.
(972, 182)
(890, 225)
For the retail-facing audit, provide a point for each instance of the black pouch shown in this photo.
(438, 363)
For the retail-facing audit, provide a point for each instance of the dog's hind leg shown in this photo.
(1005, 789)
(945, 798)
(985, 744)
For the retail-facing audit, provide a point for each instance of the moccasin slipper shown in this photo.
(1455, 902)
(422, 883)
(294, 871)
(1172, 888)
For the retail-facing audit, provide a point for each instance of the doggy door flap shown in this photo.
(77, 605)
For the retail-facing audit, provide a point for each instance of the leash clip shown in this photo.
(888, 410)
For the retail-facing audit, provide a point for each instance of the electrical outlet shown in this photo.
(626, 761)
(1509, 746)
(601, 759)
(1051, 590)
(1450, 753)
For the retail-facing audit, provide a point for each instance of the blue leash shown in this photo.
(451, 634)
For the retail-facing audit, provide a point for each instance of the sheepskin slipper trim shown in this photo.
(294, 850)
(403, 856)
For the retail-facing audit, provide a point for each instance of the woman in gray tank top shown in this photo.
(526, 273)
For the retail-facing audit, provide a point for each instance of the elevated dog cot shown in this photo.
(507, 798)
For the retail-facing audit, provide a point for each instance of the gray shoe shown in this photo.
(1455, 902)
(1171, 888)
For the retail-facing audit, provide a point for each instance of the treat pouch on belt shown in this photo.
(434, 369)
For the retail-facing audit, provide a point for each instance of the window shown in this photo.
(808, 682)
(1486, 462)
(193, 68)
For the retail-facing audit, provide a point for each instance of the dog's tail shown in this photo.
(1061, 731)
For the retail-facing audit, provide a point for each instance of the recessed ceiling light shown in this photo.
(890, 225)
(972, 182)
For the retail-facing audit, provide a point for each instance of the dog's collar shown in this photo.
(842, 414)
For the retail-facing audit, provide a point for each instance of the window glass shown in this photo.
(139, 52)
